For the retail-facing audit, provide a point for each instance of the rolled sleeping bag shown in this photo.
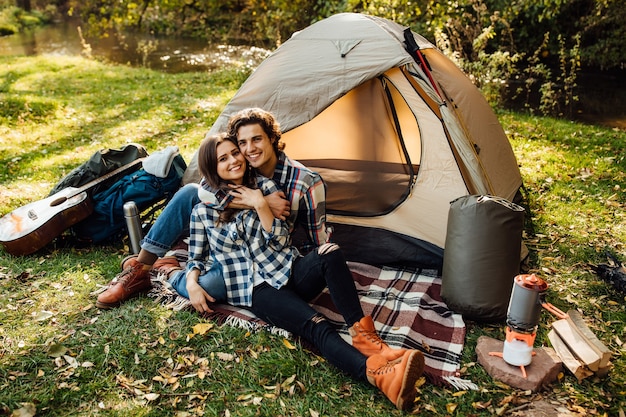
(481, 256)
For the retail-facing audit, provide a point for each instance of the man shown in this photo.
(301, 204)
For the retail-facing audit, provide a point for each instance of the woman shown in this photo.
(262, 272)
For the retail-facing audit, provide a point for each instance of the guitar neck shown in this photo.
(101, 179)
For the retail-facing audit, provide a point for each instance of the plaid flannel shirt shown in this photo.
(306, 191)
(248, 254)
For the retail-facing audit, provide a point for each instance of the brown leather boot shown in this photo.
(396, 379)
(366, 340)
(132, 281)
(126, 262)
(166, 265)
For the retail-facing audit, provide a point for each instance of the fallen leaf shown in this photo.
(56, 350)
(71, 361)
(43, 315)
(227, 357)
(479, 405)
(288, 381)
(244, 397)
(288, 344)
(151, 396)
(27, 410)
(202, 328)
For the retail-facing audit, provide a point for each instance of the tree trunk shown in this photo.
(24, 5)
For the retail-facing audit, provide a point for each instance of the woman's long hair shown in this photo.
(207, 165)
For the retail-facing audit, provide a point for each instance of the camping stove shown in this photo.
(524, 312)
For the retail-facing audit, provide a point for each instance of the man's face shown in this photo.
(257, 148)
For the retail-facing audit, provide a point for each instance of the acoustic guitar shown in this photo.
(29, 228)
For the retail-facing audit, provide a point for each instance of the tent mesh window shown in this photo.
(381, 152)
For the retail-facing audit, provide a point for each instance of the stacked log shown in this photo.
(582, 353)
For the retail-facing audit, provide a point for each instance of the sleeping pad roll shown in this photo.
(481, 256)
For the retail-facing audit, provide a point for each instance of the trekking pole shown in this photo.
(414, 50)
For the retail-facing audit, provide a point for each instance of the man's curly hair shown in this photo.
(265, 119)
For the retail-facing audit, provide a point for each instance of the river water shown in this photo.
(602, 97)
(165, 54)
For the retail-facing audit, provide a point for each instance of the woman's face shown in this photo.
(231, 165)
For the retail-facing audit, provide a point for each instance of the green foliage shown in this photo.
(404, 12)
(13, 20)
(485, 39)
(557, 94)
(603, 31)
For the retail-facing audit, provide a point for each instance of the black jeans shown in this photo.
(288, 307)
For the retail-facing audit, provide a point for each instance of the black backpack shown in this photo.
(99, 164)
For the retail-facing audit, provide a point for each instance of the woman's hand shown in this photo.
(255, 199)
(199, 298)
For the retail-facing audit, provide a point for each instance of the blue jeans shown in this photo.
(212, 281)
(288, 308)
(173, 222)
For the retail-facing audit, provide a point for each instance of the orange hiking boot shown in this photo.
(132, 281)
(396, 379)
(366, 340)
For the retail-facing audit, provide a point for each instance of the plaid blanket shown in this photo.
(406, 307)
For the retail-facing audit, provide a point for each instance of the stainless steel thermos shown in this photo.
(133, 222)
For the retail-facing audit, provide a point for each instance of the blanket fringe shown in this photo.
(252, 326)
(99, 290)
(460, 384)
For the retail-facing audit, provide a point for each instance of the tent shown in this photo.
(397, 136)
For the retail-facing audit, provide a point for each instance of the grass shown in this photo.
(61, 356)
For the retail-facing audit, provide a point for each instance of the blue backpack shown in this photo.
(107, 221)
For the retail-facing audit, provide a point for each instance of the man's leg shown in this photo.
(171, 225)
(168, 228)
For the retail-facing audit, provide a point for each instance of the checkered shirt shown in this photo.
(248, 254)
(306, 191)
